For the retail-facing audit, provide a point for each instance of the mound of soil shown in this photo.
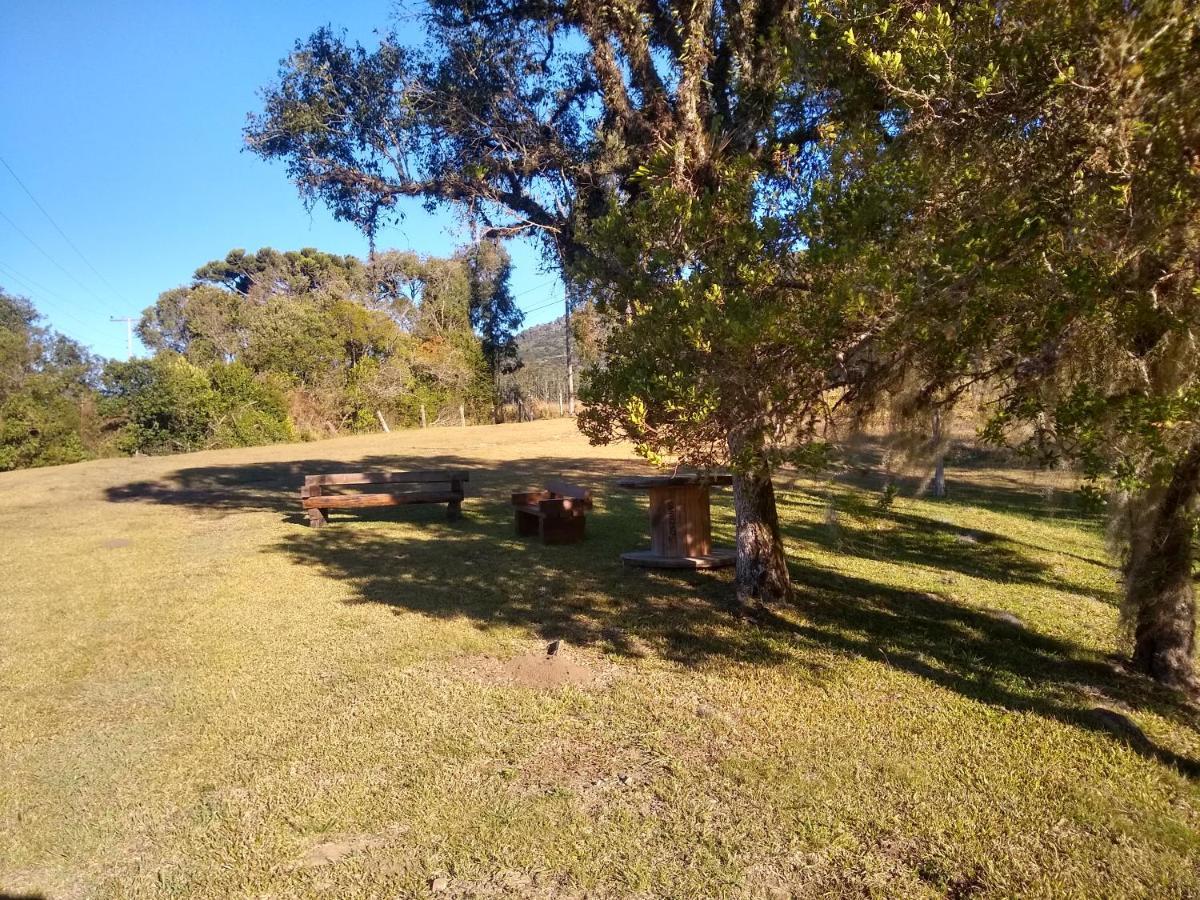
(537, 669)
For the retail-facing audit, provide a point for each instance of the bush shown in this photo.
(46, 391)
(250, 410)
(39, 426)
(170, 405)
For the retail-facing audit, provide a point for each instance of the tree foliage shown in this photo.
(790, 210)
(169, 405)
(598, 127)
(1040, 202)
(263, 347)
(47, 413)
(495, 316)
(348, 339)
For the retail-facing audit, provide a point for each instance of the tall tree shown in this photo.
(560, 118)
(495, 316)
(47, 391)
(1041, 233)
(350, 337)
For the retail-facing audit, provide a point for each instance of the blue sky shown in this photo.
(123, 120)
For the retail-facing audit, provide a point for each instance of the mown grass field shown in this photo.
(202, 697)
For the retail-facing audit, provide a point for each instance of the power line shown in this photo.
(31, 285)
(536, 287)
(58, 228)
(44, 304)
(17, 228)
(543, 306)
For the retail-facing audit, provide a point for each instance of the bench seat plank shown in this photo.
(352, 501)
(440, 486)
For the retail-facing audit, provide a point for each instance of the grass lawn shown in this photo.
(202, 697)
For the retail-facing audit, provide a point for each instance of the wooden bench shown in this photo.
(556, 514)
(430, 487)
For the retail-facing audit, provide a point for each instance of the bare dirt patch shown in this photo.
(537, 669)
(338, 847)
(508, 884)
(588, 771)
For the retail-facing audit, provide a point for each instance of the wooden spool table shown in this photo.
(680, 527)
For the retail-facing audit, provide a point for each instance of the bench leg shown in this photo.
(527, 523)
(567, 530)
(312, 488)
(454, 507)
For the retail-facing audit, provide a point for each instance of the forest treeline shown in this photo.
(270, 346)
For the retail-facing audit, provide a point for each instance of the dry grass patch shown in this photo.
(202, 697)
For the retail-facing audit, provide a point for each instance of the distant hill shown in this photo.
(542, 374)
(542, 344)
(542, 352)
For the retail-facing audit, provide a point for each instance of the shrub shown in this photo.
(39, 426)
(170, 405)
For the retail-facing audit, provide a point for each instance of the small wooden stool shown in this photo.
(557, 513)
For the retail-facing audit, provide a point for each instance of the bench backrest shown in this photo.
(358, 478)
(569, 492)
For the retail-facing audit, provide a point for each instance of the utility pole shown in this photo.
(128, 320)
(567, 304)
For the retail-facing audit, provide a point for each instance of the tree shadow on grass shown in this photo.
(581, 594)
(480, 570)
(275, 486)
(979, 655)
(917, 540)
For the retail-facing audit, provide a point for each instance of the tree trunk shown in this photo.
(939, 466)
(762, 573)
(1160, 602)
